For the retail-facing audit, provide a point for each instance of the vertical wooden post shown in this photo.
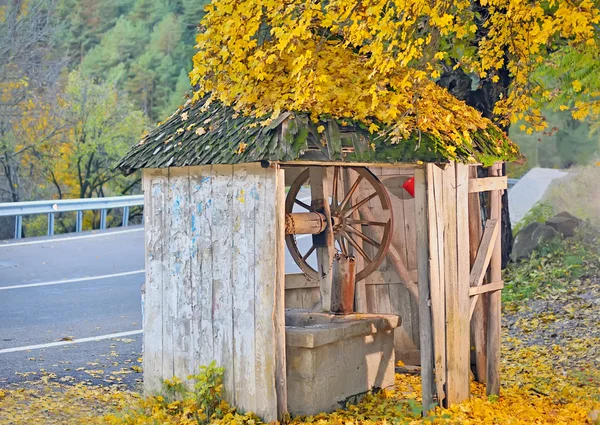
(425, 325)
(323, 241)
(435, 231)
(457, 273)
(478, 322)
(494, 298)
(280, 356)
(448, 234)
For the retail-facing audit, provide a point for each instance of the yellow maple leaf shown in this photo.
(241, 148)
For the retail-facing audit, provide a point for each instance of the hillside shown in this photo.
(141, 46)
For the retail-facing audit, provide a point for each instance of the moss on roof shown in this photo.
(209, 132)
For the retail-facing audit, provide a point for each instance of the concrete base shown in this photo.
(333, 360)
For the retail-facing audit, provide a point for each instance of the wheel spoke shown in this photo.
(310, 251)
(342, 245)
(356, 246)
(334, 191)
(359, 204)
(350, 193)
(366, 222)
(363, 236)
(302, 204)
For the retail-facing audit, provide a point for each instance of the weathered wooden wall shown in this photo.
(214, 280)
(385, 292)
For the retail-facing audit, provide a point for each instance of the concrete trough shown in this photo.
(335, 359)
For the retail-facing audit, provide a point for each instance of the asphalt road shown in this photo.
(70, 306)
(72, 287)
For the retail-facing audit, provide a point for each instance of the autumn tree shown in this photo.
(29, 70)
(374, 60)
(137, 45)
(100, 123)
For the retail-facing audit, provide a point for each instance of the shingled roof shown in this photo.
(208, 132)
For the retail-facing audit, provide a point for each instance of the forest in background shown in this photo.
(81, 80)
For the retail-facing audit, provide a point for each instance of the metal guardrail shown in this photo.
(19, 209)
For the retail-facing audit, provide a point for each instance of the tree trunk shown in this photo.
(483, 98)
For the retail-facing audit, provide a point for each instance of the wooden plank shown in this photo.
(169, 299)
(494, 298)
(413, 311)
(178, 300)
(478, 326)
(490, 287)
(456, 270)
(400, 303)
(423, 265)
(410, 231)
(435, 199)
(298, 280)
(222, 319)
(484, 253)
(292, 173)
(201, 179)
(371, 298)
(394, 256)
(320, 202)
(243, 185)
(487, 184)
(310, 297)
(267, 302)
(480, 265)
(155, 202)
(389, 275)
(463, 269)
(279, 316)
(294, 298)
(382, 299)
(287, 164)
(397, 194)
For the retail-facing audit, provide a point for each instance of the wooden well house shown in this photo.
(226, 196)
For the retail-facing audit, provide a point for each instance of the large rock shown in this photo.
(530, 238)
(564, 223)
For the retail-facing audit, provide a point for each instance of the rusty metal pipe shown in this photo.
(343, 284)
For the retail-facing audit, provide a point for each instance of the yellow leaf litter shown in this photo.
(535, 391)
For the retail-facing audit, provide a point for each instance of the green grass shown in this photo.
(540, 212)
(553, 266)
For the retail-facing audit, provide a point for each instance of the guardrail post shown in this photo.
(51, 207)
(102, 219)
(79, 222)
(50, 224)
(18, 227)
(125, 216)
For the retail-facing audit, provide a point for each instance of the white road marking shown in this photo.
(72, 238)
(79, 279)
(75, 341)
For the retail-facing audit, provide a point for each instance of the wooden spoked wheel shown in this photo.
(351, 190)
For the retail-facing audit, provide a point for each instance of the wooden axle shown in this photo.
(310, 223)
